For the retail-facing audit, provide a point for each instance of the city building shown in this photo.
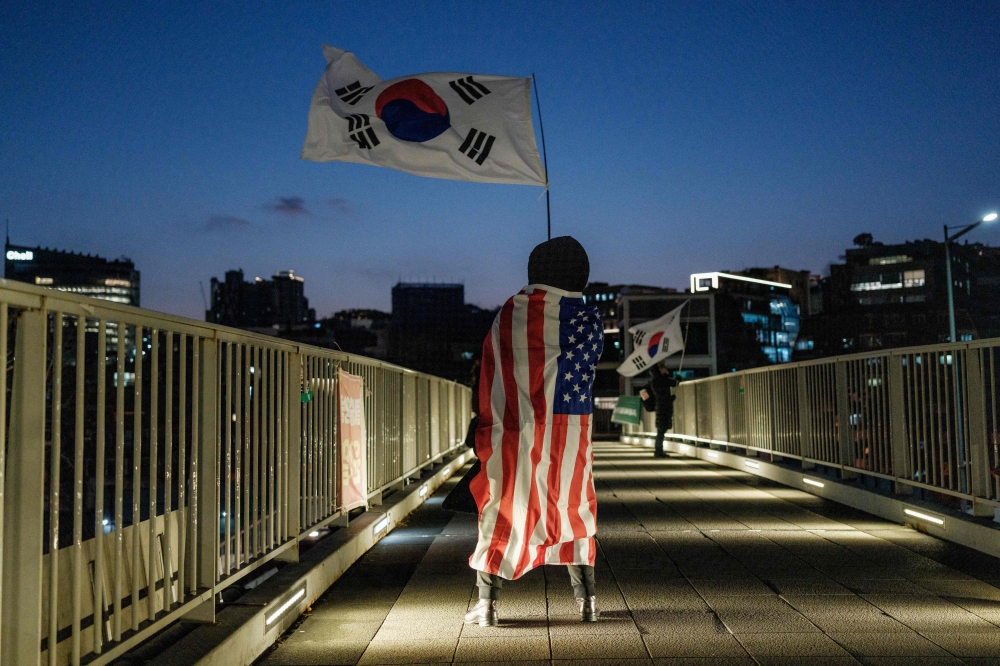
(269, 306)
(434, 330)
(765, 305)
(886, 296)
(360, 331)
(114, 280)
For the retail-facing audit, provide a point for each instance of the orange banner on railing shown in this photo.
(352, 441)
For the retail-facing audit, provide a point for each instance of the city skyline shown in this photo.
(681, 139)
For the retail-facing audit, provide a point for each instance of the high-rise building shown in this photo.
(434, 330)
(278, 304)
(766, 306)
(113, 280)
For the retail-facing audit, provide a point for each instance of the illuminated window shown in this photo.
(913, 278)
(43, 280)
(895, 259)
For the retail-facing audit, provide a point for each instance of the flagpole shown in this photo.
(545, 157)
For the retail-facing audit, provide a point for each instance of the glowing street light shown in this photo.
(963, 229)
(953, 336)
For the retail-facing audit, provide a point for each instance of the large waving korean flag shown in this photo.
(442, 125)
(653, 341)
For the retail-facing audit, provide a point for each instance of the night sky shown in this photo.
(682, 137)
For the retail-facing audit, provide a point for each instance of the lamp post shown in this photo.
(953, 338)
(964, 229)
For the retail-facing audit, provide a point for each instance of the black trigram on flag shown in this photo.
(477, 145)
(639, 362)
(468, 89)
(361, 131)
(352, 93)
(638, 337)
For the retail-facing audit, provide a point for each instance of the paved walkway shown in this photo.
(698, 564)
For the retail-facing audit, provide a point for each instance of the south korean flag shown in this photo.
(653, 341)
(457, 126)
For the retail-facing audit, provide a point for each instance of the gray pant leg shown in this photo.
(489, 585)
(581, 577)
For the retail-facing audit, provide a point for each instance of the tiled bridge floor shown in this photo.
(697, 565)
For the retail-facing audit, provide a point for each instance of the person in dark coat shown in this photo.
(662, 401)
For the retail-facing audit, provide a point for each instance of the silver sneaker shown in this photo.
(484, 614)
(588, 608)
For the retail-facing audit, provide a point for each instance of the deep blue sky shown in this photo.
(682, 136)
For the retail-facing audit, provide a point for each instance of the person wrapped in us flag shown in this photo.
(535, 489)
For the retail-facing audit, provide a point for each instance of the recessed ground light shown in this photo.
(380, 525)
(284, 607)
(924, 516)
(813, 482)
(422, 491)
(314, 533)
(712, 454)
(750, 463)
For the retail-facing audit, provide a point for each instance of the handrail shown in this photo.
(154, 460)
(925, 419)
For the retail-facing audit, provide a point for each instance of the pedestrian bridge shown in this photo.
(698, 564)
(171, 495)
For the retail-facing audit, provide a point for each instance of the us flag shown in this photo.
(536, 489)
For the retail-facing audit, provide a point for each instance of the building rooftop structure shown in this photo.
(274, 305)
(765, 305)
(114, 280)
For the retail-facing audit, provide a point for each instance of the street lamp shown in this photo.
(953, 337)
(962, 230)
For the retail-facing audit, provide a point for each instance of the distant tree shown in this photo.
(863, 240)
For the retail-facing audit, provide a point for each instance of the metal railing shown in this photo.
(919, 417)
(152, 461)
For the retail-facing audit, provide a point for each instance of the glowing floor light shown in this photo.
(422, 491)
(924, 516)
(813, 482)
(285, 606)
(380, 525)
(751, 464)
(712, 454)
(314, 534)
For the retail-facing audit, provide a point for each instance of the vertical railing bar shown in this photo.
(238, 457)
(4, 324)
(258, 514)
(154, 449)
(55, 457)
(307, 469)
(324, 450)
(928, 430)
(272, 356)
(183, 513)
(327, 438)
(137, 477)
(227, 479)
(102, 370)
(253, 429)
(193, 478)
(934, 415)
(335, 445)
(76, 593)
(992, 383)
(246, 475)
(265, 439)
(119, 494)
(281, 384)
(168, 480)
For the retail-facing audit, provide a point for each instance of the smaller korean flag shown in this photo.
(653, 341)
(442, 125)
